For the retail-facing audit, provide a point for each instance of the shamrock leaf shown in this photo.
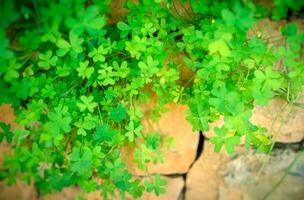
(118, 113)
(12, 70)
(47, 60)
(86, 123)
(264, 83)
(148, 68)
(136, 46)
(104, 133)
(225, 101)
(132, 130)
(84, 71)
(219, 46)
(87, 103)
(224, 138)
(64, 70)
(136, 189)
(122, 71)
(89, 20)
(241, 17)
(119, 174)
(106, 76)
(5, 132)
(99, 54)
(153, 140)
(124, 28)
(60, 120)
(268, 78)
(81, 160)
(157, 186)
(5, 53)
(148, 29)
(199, 116)
(74, 45)
(290, 29)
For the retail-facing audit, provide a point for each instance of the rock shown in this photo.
(218, 176)
(19, 190)
(178, 159)
(7, 115)
(203, 179)
(245, 175)
(292, 129)
(269, 31)
(70, 193)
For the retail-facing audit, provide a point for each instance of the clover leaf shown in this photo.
(87, 103)
(219, 46)
(47, 60)
(5, 132)
(222, 138)
(74, 45)
(124, 28)
(104, 133)
(99, 54)
(118, 113)
(157, 186)
(84, 71)
(133, 130)
(81, 160)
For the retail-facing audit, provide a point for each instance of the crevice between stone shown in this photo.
(199, 151)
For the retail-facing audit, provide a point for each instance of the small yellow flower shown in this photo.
(242, 88)
(259, 34)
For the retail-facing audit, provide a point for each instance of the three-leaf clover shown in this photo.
(122, 71)
(47, 60)
(86, 123)
(74, 45)
(84, 71)
(104, 133)
(11, 70)
(106, 76)
(224, 138)
(89, 20)
(60, 120)
(5, 132)
(157, 186)
(132, 130)
(118, 113)
(241, 17)
(81, 160)
(87, 103)
(99, 54)
(268, 78)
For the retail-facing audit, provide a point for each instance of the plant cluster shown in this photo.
(77, 82)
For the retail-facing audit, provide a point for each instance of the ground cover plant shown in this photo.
(77, 80)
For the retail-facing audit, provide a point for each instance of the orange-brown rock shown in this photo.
(178, 159)
(285, 123)
(242, 177)
(17, 191)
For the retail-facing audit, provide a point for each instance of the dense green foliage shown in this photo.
(77, 80)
